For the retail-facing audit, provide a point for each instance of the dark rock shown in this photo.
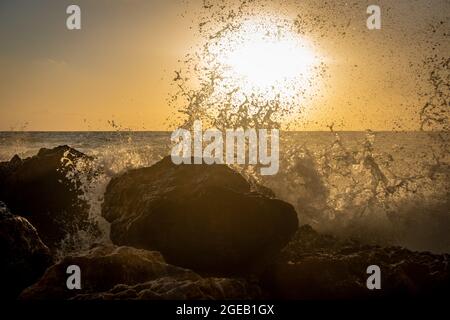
(42, 189)
(109, 272)
(23, 256)
(191, 287)
(204, 217)
(316, 266)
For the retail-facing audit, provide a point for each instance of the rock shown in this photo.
(43, 189)
(204, 217)
(23, 256)
(315, 266)
(110, 272)
(191, 287)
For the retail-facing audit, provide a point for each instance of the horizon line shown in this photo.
(168, 131)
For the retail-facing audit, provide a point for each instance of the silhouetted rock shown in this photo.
(204, 217)
(191, 287)
(43, 189)
(315, 266)
(109, 272)
(23, 256)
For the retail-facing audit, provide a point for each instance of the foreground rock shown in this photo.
(315, 266)
(204, 217)
(23, 256)
(43, 189)
(110, 272)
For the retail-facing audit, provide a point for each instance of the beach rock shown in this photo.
(110, 272)
(23, 256)
(191, 287)
(204, 217)
(316, 266)
(44, 189)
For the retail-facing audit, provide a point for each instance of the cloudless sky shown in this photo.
(119, 66)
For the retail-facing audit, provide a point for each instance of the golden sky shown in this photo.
(120, 65)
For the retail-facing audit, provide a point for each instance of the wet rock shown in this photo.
(191, 287)
(204, 217)
(316, 266)
(23, 256)
(110, 272)
(43, 189)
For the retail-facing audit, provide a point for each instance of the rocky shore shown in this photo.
(185, 232)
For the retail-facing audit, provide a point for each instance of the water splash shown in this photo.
(91, 176)
(381, 192)
(208, 89)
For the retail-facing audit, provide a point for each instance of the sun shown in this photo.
(255, 71)
(266, 60)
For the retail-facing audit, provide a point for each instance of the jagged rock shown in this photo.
(191, 287)
(43, 189)
(315, 266)
(204, 217)
(23, 256)
(109, 272)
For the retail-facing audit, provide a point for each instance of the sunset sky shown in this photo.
(120, 65)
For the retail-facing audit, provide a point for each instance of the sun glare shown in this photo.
(268, 62)
(262, 58)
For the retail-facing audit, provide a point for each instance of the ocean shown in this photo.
(389, 188)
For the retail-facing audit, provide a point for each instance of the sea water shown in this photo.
(390, 188)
